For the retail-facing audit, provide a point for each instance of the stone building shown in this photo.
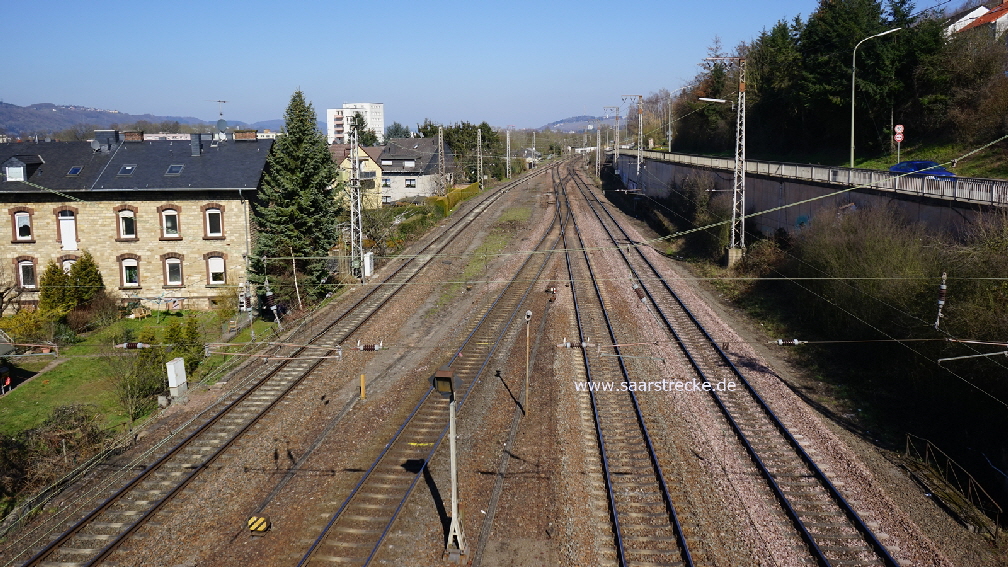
(165, 220)
(409, 168)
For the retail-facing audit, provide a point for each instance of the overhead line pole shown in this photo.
(737, 247)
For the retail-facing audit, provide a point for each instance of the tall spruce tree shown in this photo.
(85, 279)
(295, 209)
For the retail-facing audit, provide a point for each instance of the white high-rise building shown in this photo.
(338, 120)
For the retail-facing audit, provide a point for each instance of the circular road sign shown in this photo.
(899, 128)
(898, 137)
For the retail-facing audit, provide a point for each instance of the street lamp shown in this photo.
(853, 74)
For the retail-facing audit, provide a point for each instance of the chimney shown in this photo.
(245, 135)
(133, 137)
(107, 137)
(196, 143)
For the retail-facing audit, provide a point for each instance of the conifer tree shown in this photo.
(295, 209)
(56, 293)
(85, 279)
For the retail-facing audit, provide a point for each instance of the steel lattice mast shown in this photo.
(356, 225)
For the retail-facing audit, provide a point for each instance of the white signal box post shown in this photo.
(177, 378)
(444, 382)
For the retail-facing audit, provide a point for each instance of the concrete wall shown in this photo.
(763, 193)
(97, 232)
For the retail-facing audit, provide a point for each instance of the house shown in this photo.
(164, 219)
(370, 172)
(410, 168)
(995, 21)
(962, 19)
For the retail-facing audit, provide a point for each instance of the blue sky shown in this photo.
(510, 63)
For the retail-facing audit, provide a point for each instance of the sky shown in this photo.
(518, 63)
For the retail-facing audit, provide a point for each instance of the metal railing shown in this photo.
(968, 189)
(937, 461)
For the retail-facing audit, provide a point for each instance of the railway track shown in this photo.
(100, 532)
(354, 533)
(833, 533)
(645, 526)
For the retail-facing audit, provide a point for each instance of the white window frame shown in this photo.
(21, 274)
(220, 222)
(411, 183)
(67, 241)
(27, 222)
(67, 265)
(124, 214)
(211, 272)
(169, 262)
(164, 223)
(409, 163)
(130, 263)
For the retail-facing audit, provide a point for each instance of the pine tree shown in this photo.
(85, 279)
(295, 209)
(56, 293)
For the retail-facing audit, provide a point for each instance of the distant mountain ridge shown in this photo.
(47, 118)
(578, 123)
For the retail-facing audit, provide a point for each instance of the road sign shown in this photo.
(899, 128)
(898, 137)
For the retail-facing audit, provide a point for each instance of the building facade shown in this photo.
(410, 168)
(370, 173)
(338, 120)
(164, 220)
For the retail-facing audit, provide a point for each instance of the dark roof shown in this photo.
(423, 151)
(229, 165)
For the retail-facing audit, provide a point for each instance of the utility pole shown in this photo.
(479, 157)
(598, 152)
(670, 122)
(640, 130)
(737, 246)
(356, 226)
(508, 159)
(442, 180)
(533, 149)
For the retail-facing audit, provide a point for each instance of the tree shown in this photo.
(365, 136)
(85, 279)
(136, 375)
(56, 292)
(396, 130)
(295, 209)
(10, 289)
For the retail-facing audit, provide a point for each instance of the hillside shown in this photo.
(45, 118)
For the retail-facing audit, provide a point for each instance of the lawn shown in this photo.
(81, 376)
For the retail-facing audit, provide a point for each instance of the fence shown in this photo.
(452, 198)
(938, 465)
(969, 189)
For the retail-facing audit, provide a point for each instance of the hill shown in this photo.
(576, 124)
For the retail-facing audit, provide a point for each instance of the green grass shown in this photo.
(81, 377)
(515, 214)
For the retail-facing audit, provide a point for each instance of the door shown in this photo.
(68, 230)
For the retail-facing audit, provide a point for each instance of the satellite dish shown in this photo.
(95, 145)
(222, 124)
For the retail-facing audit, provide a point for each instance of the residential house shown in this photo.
(410, 168)
(164, 219)
(370, 172)
(995, 21)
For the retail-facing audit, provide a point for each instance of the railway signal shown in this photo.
(444, 382)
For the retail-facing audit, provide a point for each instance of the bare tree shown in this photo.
(10, 290)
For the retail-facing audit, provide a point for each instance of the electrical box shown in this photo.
(368, 264)
(177, 377)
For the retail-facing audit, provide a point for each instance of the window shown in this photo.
(130, 272)
(411, 183)
(386, 198)
(15, 173)
(386, 162)
(174, 170)
(26, 273)
(75, 171)
(173, 271)
(127, 224)
(67, 264)
(213, 219)
(386, 182)
(126, 170)
(170, 223)
(409, 163)
(22, 222)
(67, 228)
(215, 270)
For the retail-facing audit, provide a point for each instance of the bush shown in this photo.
(86, 279)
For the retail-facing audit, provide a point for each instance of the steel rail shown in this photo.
(832, 491)
(659, 475)
(316, 544)
(54, 546)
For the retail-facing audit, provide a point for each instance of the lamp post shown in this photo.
(853, 75)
